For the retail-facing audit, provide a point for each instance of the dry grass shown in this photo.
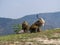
(33, 38)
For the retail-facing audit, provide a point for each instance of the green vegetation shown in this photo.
(17, 28)
(50, 34)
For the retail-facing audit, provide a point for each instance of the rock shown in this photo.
(21, 31)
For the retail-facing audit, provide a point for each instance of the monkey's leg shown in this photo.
(38, 30)
(32, 30)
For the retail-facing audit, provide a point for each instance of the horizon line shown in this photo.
(31, 14)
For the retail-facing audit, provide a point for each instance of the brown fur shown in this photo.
(34, 27)
(25, 26)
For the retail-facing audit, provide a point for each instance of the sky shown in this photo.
(19, 8)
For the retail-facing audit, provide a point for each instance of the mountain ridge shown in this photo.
(52, 21)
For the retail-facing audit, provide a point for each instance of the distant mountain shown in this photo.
(52, 21)
(5, 24)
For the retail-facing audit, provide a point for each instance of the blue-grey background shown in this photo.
(19, 8)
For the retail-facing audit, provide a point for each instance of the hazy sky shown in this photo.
(20, 8)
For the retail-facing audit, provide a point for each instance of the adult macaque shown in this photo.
(25, 26)
(36, 26)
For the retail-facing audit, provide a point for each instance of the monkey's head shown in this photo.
(40, 22)
(25, 23)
